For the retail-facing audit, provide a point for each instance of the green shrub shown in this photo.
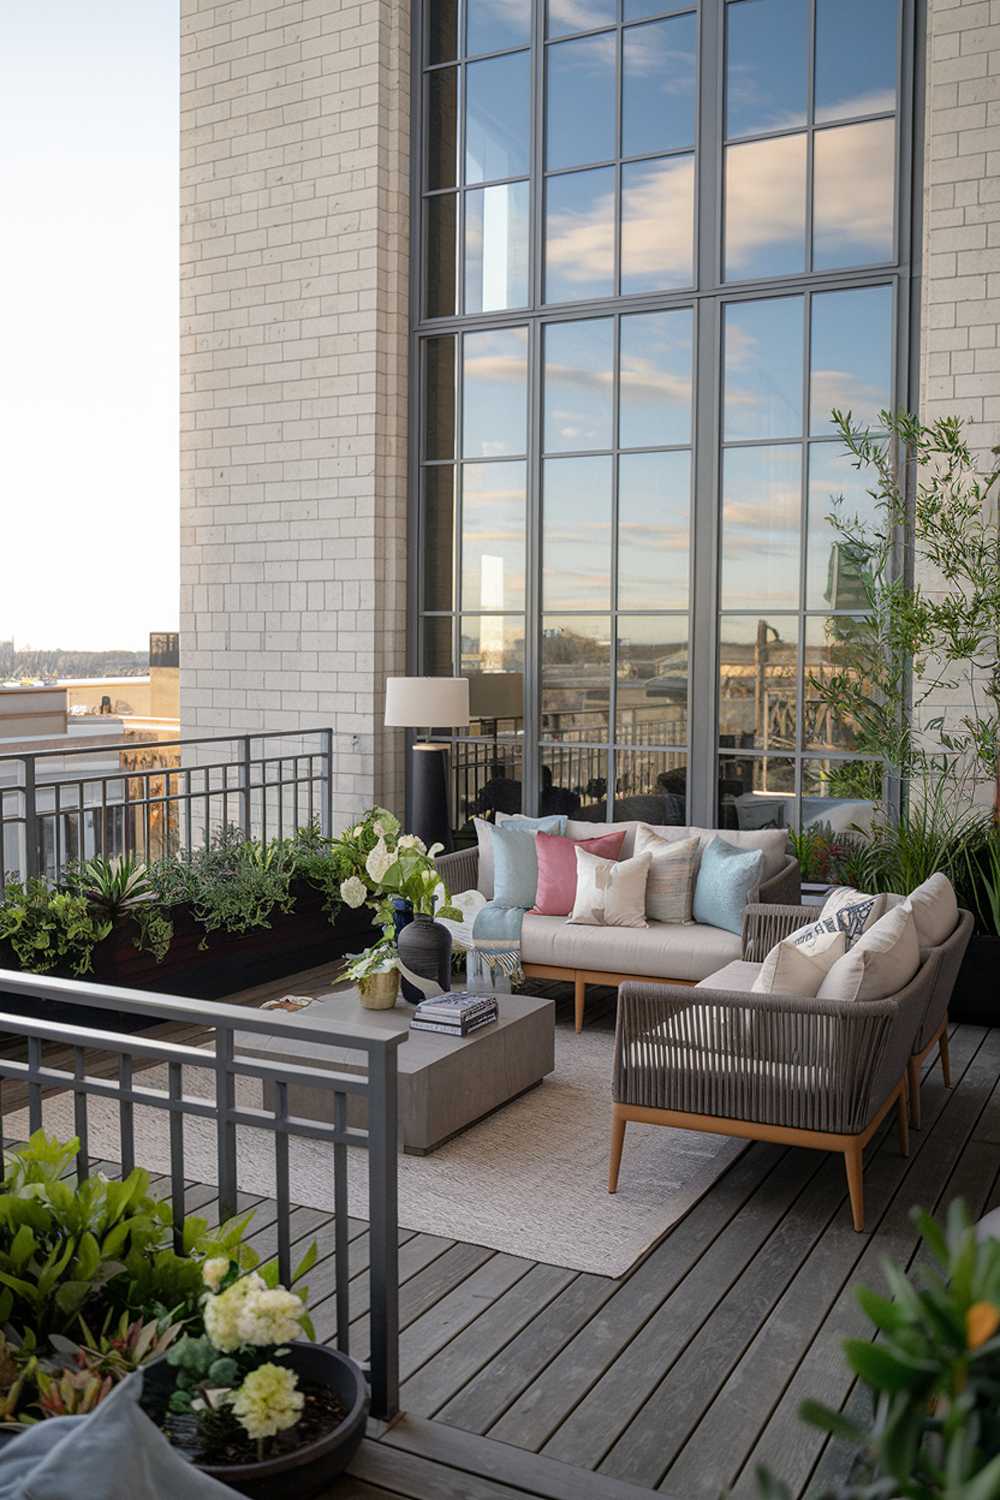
(50, 929)
(232, 885)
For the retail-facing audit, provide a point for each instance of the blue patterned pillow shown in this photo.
(727, 880)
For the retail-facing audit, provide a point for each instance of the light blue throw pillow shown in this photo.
(727, 881)
(515, 861)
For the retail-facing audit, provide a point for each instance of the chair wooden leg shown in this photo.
(943, 1048)
(913, 1073)
(853, 1160)
(903, 1120)
(579, 997)
(617, 1142)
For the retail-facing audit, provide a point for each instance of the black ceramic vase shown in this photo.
(425, 947)
(402, 916)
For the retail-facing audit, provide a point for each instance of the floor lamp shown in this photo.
(419, 703)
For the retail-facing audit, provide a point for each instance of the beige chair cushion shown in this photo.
(881, 962)
(660, 951)
(935, 910)
(670, 887)
(610, 892)
(772, 841)
(738, 976)
(801, 961)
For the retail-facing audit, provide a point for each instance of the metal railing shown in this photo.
(158, 797)
(40, 1075)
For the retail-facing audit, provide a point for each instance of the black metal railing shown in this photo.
(158, 797)
(43, 1072)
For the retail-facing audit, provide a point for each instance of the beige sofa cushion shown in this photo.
(738, 976)
(801, 961)
(772, 841)
(660, 951)
(881, 962)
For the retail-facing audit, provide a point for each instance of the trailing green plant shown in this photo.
(932, 1376)
(49, 929)
(122, 890)
(232, 885)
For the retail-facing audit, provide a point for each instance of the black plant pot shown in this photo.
(307, 1471)
(402, 916)
(425, 947)
(976, 997)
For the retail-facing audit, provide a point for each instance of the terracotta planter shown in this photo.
(379, 991)
(307, 1471)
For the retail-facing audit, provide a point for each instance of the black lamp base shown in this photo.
(429, 818)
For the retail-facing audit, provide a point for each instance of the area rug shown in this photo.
(530, 1180)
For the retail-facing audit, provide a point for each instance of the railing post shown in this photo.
(383, 1212)
(225, 1102)
(326, 806)
(30, 818)
(246, 821)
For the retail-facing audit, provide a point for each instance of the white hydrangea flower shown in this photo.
(411, 841)
(268, 1401)
(213, 1271)
(353, 891)
(379, 861)
(270, 1317)
(222, 1313)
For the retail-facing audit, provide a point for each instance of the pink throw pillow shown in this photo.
(557, 868)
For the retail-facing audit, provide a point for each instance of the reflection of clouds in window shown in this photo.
(580, 104)
(580, 235)
(498, 114)
(653, 530)
(657, 224)
(766, 207)
(761, 507)
(493, 25)
(493, 536)
(655, 375)
(576, 533)
(495, 393)
(566, 16)
(578, 383)
(658, 89)
(763, 368)
(853, 79)
(766, 54)
(854, 176)
(496, 247)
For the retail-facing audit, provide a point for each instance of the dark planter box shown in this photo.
(301, 939)
(976, 996)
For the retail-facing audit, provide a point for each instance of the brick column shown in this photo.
(294, 264)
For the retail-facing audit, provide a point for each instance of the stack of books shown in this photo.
(456, 1014)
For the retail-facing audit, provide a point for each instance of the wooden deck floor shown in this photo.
(524, 1379)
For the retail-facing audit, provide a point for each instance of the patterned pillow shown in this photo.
(801, 961)
(670, 887)
(610, 893)
(853, 911)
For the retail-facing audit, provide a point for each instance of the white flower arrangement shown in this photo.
(250, 1312)
(353, 892)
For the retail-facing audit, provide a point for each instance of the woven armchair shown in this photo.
(782, 1068)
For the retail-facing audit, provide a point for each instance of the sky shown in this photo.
(89, 106)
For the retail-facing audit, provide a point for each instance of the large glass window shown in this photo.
(650, 272)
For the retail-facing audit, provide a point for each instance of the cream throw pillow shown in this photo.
(935, 910)
(670, 886)
(854, 911)
(800, 962)
(882, 961)
(610, 892)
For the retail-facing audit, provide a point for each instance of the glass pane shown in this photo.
(851, 356)
(657, 224)
(442, 31)
(573, 782)
(494, 644)
(763, 368)
(495, 397)
(652, 684)
(498, 118)
(576, 533)
(487, 776)
(766, 208)
(855, 172)
(658, 86)
(495, 25)
(756, 792)
(758, 681)
(767, 65)
(496, 247)
(576, 677)
(833, 575)
(493, 520)
(439, 395)
(580, 235)
(436, 646)
(654, 530)
(566, 16)
(655, 378)
(852, 79)
(651, 785)
(637, 10)
(838, 797)
(437, 541)
(580, 103)
(579, 385)
(760, 527)
(836, 646)
(442, 128)
(442, 255)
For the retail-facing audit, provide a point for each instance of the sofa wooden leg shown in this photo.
(618, 1123)
(913, 1071)
(943, 1048)
(903, 1120)
(579, 997)
(854, 1162)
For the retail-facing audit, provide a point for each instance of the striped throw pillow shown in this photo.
(670, 884)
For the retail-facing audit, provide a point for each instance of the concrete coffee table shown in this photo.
(445, 1083)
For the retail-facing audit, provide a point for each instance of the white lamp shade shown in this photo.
(426, 702)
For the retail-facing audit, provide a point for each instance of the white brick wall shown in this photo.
(960, 350)
(294, 257)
